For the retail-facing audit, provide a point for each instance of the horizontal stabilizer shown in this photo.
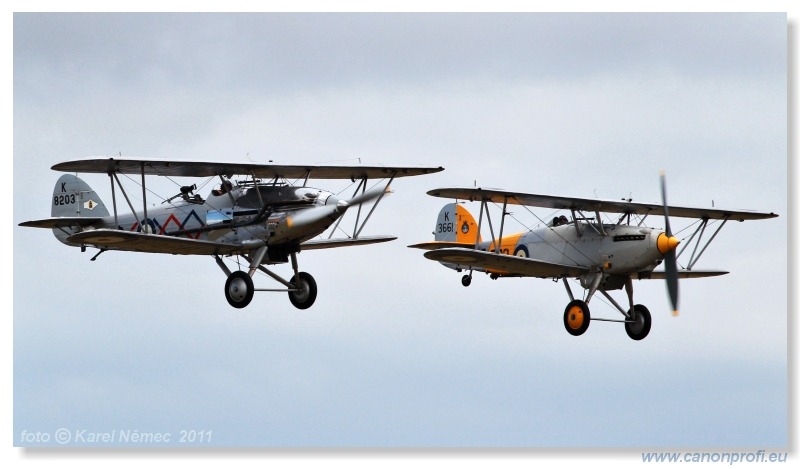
(433, 245)
(62, 222)
(511, 265)
(661, 275)
(342, 242)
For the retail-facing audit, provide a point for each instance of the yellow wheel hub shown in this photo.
(575, 317)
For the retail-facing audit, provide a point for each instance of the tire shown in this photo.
(640, 325)
(304, 298)
(576, 317)
(239, 289)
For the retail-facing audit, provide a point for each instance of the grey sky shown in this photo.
(396, 353)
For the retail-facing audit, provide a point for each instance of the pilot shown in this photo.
(558, 221)
(222, 189)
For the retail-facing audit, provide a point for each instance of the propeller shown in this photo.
(333, 208)
(666, 245)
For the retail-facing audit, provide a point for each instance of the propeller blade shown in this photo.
(670, 258)
(369, 195)
(664, 202)
(671, 269)
(312, 216)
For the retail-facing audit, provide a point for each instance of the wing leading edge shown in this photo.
(592, 205)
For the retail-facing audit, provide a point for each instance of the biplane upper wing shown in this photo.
(592, 205)
(141, 242)
(207, 168)
(508, 264)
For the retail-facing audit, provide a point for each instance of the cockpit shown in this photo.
(558, 221)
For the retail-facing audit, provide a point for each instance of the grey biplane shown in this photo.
(263, 217)
(602, 256)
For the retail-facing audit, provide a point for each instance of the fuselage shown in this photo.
(237, 214)
(616, 249)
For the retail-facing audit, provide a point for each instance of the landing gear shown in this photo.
(576, 317)
(305, 292)
(239, 289)
(638, 326)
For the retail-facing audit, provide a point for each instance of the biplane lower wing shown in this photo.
(62, 222)
(342, 242)
(683, 273)
(501, 262)
(159, 244)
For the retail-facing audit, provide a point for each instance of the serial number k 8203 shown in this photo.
(64, 199)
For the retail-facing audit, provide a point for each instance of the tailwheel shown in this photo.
(306, 292)
(466, 280)
(576, 317)
(239, 289)
(638, 326)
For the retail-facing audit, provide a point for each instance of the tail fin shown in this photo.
(455, 224)
(72, 197)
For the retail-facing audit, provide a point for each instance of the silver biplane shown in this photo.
(263, 218)
(602, 256)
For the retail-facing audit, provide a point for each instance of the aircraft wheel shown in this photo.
(307, 293)
(239, 289)
(576, 317)
(466, 280)
(640, 327)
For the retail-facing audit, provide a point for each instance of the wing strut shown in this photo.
(701, 229)
(127, 199)
(502, 222)
(113, 199)
(374, 206)
(362, 186)
(144, 204)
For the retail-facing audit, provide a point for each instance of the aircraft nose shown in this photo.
(666, 243)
